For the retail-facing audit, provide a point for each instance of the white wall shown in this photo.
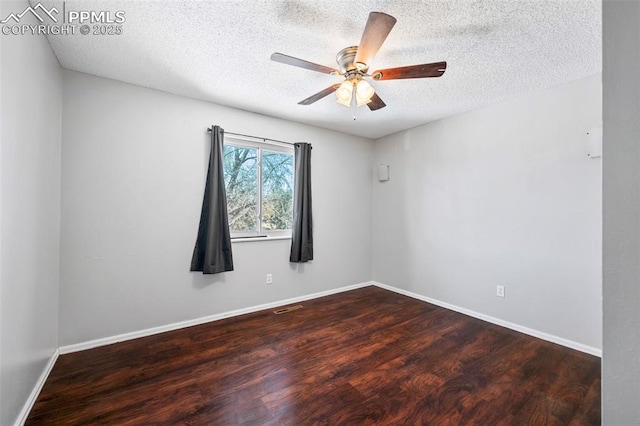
(133, 171)
(31, 84)
(621, 180)
(502, 195)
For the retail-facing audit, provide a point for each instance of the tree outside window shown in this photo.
(259, 186)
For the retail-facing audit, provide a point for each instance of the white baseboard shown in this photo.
(526, 330)
(28, 405)
(183, 324)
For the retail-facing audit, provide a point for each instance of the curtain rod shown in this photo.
(254, 137)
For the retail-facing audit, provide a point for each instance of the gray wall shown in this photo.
(621, 180)
(31, 84)
(502, 195)
(134, 164)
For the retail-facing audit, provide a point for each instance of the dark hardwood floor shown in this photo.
(367, 356)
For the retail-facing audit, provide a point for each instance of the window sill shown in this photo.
(254, 239)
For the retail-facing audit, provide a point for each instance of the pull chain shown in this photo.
(354, 101)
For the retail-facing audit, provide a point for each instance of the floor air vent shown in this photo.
(287, 309)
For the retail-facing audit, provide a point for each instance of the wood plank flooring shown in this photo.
(367, 356)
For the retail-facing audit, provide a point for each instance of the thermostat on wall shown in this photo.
(383, 172)
(594, 142)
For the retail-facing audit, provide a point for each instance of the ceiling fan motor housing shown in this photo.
(346, 60)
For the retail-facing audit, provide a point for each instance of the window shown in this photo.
(258, 179)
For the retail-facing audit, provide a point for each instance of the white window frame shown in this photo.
(260, 145)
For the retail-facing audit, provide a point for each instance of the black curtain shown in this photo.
(302, 232)
(212, 253)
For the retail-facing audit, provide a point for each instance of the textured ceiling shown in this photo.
(219, 51)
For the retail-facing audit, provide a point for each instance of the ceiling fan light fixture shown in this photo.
(344, 93)
(364, 92)
(346, 103)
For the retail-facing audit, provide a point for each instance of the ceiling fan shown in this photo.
(353, 63)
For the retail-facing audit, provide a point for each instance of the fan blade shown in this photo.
(375, 33)
(321, 94)
(413, 71)
(290, 60)
(376, 103)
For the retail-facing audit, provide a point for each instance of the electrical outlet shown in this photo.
(500, 291)
(269, 278)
